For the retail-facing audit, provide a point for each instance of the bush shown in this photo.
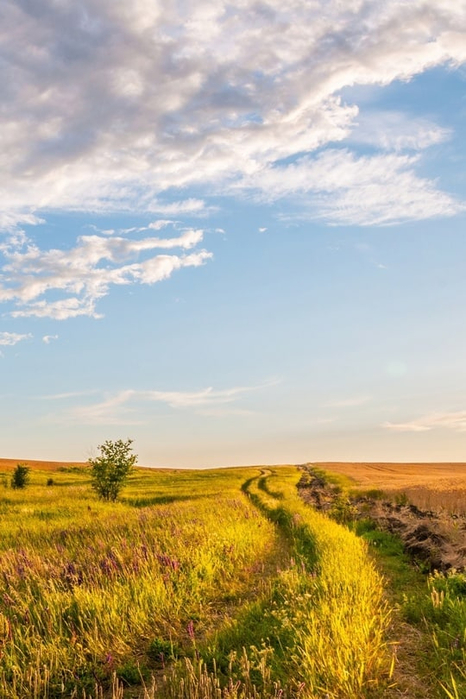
(20, 477)
(110, 470)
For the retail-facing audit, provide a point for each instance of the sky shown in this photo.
(233, 232)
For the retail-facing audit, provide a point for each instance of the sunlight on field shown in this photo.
(394, 475)
(201, 584)
(437, 487)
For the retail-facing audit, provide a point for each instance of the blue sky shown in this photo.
(233, 232)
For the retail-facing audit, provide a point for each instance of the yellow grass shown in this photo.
(225, 571)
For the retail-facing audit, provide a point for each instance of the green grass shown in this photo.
(195, 584)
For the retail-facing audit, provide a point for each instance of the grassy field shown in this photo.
(195, 584)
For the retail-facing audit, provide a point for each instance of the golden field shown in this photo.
(9, 464)
(429, 486)
(400, 475)
(214, 584)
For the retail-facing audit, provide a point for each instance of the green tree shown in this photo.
(110, 470)
(20, 477)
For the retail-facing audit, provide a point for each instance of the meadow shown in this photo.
(194, 585)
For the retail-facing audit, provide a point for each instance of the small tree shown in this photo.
(111, 469)
(20, 477)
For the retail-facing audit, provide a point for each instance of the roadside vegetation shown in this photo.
(215, 584)
(422, 554)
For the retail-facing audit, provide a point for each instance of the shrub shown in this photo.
(110, 470)
(20, 477)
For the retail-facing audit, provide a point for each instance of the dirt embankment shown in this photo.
(436, 539)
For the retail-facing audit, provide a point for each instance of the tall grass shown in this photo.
(86, 588)
(195, 585)
(331, 600)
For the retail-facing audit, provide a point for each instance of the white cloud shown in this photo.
(394, 131)
(10, 339)
(49, 338)
(158, 225)
(10, 220)
(190, 206)
(112, 411)
(122, 407)
(107, 105)
(69, 394)
(342, 188)
(85, 273)
(194, 399)
(455, 421)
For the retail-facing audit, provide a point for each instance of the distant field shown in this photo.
(9, 464)
(429, 486)
(400, 476)
(364, 474)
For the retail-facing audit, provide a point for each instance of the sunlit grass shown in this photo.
(331, 601)
(195, 584)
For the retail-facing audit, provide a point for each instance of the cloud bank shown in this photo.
(157, 107)
(105, 105)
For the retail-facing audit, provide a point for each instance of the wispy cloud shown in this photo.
(395, 131)
(348, 402)
(125, 407)
(455, 421)
(112, 411)
(7, 338)
(181, 208)
(340, 187)
(68, 395)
